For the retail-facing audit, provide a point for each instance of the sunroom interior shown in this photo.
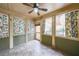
(53, 32)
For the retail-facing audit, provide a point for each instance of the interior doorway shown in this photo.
(38, 32)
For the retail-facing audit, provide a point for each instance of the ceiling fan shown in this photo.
(35, 7)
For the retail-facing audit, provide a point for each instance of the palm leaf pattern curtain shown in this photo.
(71, 24)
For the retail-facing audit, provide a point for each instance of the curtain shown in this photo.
(71, 24)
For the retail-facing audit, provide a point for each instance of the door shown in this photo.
(38, 32)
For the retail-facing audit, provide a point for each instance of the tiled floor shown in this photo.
(32, 48)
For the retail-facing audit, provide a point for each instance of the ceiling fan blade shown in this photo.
(30, 11)
(34, 5)
(43, 9)
(27, 4)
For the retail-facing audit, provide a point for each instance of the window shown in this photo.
(37, 28)
(38, 32)
(60, 25)
(48, 26)
(30, 27)
(67, 24)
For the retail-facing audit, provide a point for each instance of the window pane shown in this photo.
(48, 26)
(60, 25)
(37, 28)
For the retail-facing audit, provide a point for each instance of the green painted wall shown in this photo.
(47, 40)
(19, 39)
(4, 43)
(69, 46)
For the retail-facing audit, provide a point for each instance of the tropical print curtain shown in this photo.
(71, 24)
(18, 26)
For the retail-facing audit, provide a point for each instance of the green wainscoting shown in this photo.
(19, 39)
(69, 46)
(47, 40)
(4, 43)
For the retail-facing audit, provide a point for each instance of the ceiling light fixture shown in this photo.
(35, 10)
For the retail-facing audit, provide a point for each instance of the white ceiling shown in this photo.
(20, 8)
